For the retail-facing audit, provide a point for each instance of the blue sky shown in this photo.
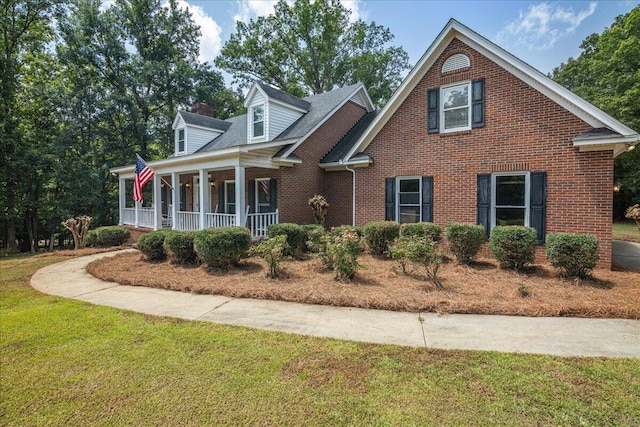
(542, 33)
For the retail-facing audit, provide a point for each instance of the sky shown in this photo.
(542, 33)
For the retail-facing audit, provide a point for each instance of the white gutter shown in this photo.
(353, 196)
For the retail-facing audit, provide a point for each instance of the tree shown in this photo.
(607, 74)
(311, 47)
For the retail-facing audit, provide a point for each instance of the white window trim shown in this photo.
(397, 195)
(257, 202)
(226, 195)
(178, 140)
(264, 121)
(527, 195)
(469, 107)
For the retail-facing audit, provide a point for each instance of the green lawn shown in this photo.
(626, 231)
(69, 363)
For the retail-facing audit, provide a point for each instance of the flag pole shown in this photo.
(163, 180)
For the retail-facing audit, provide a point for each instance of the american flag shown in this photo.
(143, 175)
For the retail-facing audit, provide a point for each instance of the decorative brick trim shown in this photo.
(456, 76)
(510, 167)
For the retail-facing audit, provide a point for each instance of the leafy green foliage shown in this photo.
(312, 233)
(337, 231)
(341, 253)
(104, 237)
(311, 47)
(575, 253)
(221, 248)
(420, 251)
(152, 245)
(380, 235)
(179, 247)
(296, 236)
(514, 246)
(421, 229)
(272, 250)
(607, 74)
(465, 240)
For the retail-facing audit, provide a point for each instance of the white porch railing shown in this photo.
(218, 220)
(187, 221)
(145, 217)
(129, 216)
(258, 223)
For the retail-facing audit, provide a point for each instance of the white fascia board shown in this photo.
(336, 166)
(327, 117)
(175, 121)
(618, 144)
(251, 94)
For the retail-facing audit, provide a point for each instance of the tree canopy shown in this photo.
(607, 74)
(309, 47)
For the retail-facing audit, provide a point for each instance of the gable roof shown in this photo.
(281, 96)
(340, 150)
(204, 121)
(556, 92)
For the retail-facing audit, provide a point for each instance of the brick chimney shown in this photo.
(202, 109)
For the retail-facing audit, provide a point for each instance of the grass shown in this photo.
(626, 230)
(65, 362)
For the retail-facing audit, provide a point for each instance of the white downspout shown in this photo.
(353, 196)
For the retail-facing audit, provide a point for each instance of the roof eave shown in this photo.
(619, 144)
(341, 165)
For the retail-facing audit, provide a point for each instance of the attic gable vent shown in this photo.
(455, 62)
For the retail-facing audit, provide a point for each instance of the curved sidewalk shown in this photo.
(542, 335)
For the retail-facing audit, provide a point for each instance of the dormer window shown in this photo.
(181, 147)
(258, 121)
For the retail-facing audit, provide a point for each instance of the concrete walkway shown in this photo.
(543, 335)
(626, 255)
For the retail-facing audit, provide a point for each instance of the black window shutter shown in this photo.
(390, 199)
(273, 194)
(183, 197)
(252, 196)
(477, 103)
(483, 208)
(221, 197)
(538, 204)
(432, 110)
(427, 199)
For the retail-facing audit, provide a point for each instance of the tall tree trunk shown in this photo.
(11, 218)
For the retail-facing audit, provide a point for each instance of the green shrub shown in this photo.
(337, 231)
(420, 251)
(104, 237)
(341, 253)
(272, 251)
(514, 246)
(465, 240)
(152, 245)
(221, 248)
(312, 235)
(575, 253)
(178, 246)
(295, 237)
(380, 235)
(428, 230)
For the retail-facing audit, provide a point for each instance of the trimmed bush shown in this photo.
(295, 236)
(312, 234)
(338, 231)
(104, 237)
(152, 245)
(427, 230)
(380, 235)
(341, 254)
(465, 240)
(221, 248)
(178, 246)
(272, 251)
(514, 246)
(575, 253)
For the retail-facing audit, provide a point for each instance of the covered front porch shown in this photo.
(199, 199)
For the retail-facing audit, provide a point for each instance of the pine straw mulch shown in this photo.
(480, 288)
(81, 252)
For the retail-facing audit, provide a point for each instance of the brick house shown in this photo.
(255, 169)
(476, 135)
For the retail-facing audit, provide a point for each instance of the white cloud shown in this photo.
(248, 9)
(210, 40)
(543, 25)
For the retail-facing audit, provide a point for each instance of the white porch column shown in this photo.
(137, 209)
(240, 203)
(122, 198)
(202, 190)
(175, 199)
(157, 202)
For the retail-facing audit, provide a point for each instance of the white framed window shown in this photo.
(409, 197)
(230, 197)
(263, 195)
(456, 107)
(510, 195)
(180, 139)
(257, 120)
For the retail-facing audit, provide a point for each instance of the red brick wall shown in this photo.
(337, 188)
(524, 131)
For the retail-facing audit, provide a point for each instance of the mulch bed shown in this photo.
(481, 288)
